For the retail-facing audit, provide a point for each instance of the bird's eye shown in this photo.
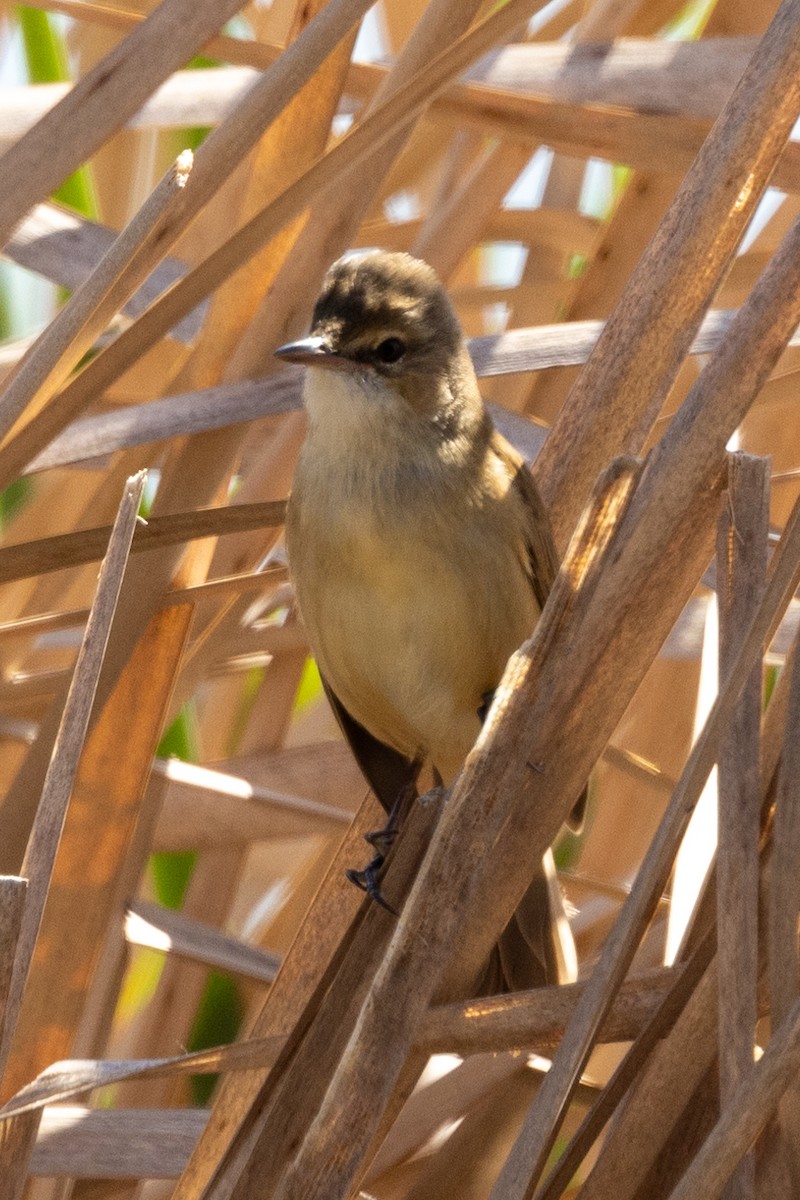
(391, 350)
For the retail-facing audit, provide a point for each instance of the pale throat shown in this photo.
(356, 414)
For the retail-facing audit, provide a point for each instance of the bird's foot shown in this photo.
(368, 881)
(382, 841)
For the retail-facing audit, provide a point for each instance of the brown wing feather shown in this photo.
(386, 771)
(542, 554)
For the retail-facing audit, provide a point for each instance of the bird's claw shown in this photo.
(367, 880)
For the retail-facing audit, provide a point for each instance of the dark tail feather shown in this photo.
(536, 948)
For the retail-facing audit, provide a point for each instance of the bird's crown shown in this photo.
(386, 309)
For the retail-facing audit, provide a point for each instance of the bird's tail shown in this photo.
(536, 948)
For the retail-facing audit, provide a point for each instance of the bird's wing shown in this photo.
(387, 772)
(541, 549)
(543, 560)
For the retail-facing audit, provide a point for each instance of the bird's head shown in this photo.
(384, 321)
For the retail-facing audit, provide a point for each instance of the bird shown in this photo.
(420, 552)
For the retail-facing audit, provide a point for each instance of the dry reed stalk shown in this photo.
(458, 1092)
(669, 1012)
(65, 248)
(754, 1101)
(538, 1019)
(16, 1138)
(334, 217)
(621, 944)
(518, 350)
(115, 1144)
(181, 984)
(46, 832)
(783, 909)
(71, 333)
(622, 242)
(102, 101)
(244, 51)
(741, 570)
(376, 128)
(296, 139)
(228, 144)
(72, 618)
(88, 545)
(640, 139)
(68, 1080)
(320, 1035)
(525, 91)
(623, 386)
(314, 947)
(12, 904)
(665, 1087)
(564, 185)
(99, 828)
(161, 928)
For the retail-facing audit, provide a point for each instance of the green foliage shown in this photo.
(12, 499)
(47, 62)
(220, 1011)
(172, 872)
(310, 687)
(219, 1018)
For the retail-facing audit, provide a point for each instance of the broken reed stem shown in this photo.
(619, 395)
(741, 572)
(748, 1112)
(86, 314)
(46, 831)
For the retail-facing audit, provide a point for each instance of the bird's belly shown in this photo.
(411, 636)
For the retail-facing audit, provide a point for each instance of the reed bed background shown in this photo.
(194, 1002)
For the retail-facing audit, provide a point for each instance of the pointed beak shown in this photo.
(313, 352)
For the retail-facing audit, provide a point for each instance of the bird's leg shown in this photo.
(381, 841)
